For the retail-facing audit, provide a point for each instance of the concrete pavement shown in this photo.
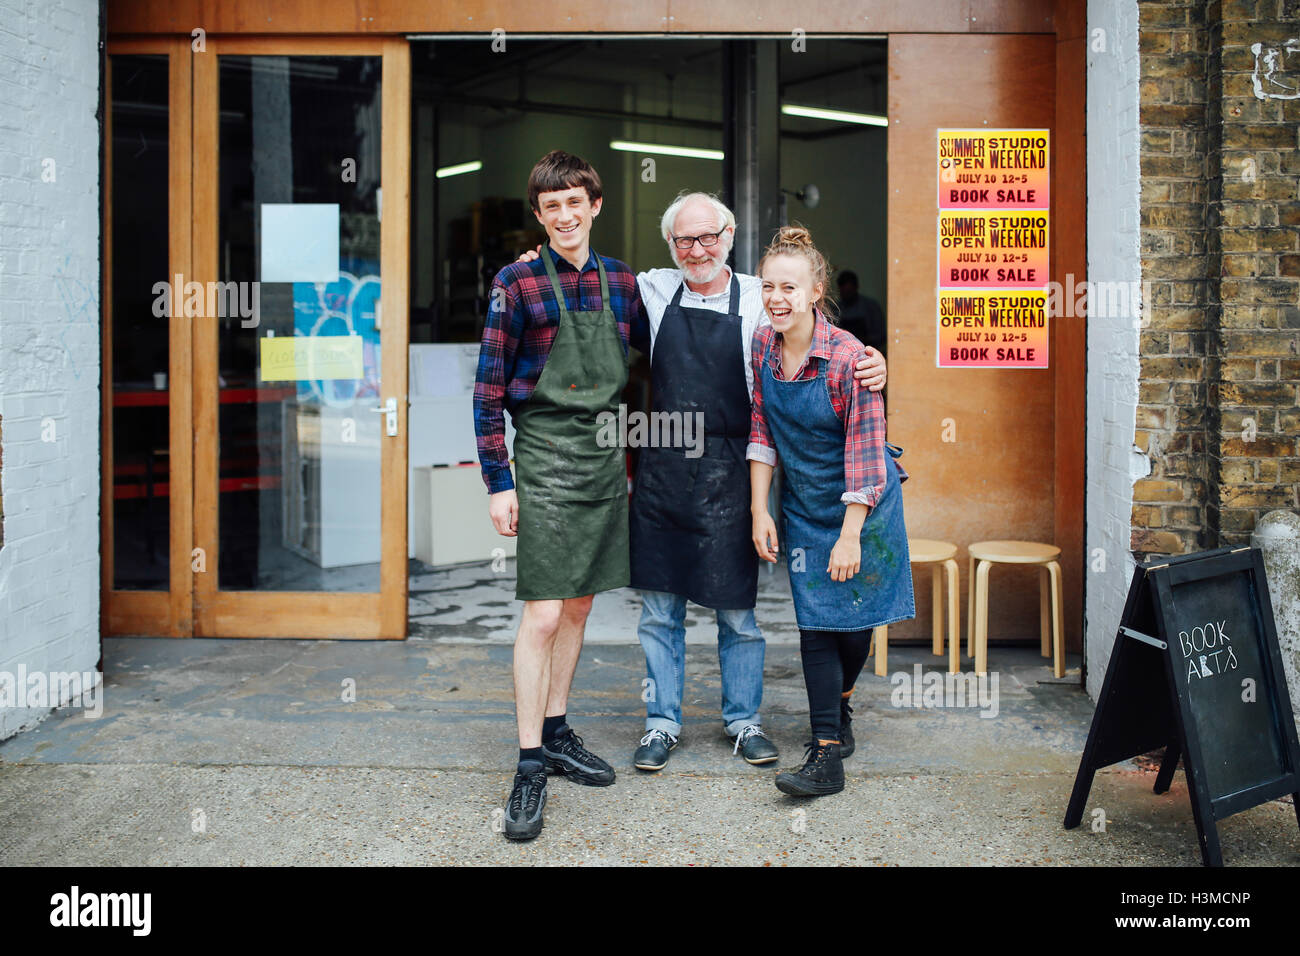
(247, 752)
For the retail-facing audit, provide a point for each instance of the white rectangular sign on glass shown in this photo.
(300, 242)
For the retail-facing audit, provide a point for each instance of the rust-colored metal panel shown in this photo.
(580, 16)
(997, 479)
(1070, 339)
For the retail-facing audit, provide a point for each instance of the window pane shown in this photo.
(138, 247)
(299, 341)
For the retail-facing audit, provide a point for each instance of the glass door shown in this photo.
(299, 324)
(145, 504)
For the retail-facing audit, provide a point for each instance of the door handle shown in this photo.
(389, 408)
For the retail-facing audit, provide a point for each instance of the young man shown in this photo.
(554, 355)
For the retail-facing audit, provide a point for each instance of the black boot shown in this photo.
(846, 729)
(822, 773)
(847, 746)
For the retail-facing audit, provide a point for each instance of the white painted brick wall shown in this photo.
(49, 340)
(1114, 143)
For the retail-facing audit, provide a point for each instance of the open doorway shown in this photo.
(834, 130)
(654, 116)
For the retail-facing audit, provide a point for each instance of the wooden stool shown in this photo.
(985, 554)
(939, 555)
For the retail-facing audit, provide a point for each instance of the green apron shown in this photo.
(572, 492)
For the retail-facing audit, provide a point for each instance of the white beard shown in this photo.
(694, 274)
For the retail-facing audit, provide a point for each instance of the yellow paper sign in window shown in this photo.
(311, 358)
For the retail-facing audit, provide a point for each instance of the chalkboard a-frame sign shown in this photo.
(1196, 669)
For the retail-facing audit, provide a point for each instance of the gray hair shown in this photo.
(727, 218)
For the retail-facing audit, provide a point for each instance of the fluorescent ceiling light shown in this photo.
(691, 152)
(838, 116)
(470, 167)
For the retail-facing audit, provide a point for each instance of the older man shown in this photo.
(690, 524)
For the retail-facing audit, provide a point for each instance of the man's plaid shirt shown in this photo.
(522, 320)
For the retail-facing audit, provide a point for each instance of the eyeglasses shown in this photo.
(707, 240)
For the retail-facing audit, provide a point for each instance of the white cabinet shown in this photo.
(330, 487)
(441, 429)
(450, 517)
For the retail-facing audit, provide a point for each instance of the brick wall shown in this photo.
(49, 339)
(1169, 504)
(1217, 411)
(1254, 170)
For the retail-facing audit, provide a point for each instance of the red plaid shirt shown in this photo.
(861, 411)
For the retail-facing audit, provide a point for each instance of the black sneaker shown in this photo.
(566, 755)
(754, 745)
(821, 773)
(654, 750)
(847, 745)
(527, 799)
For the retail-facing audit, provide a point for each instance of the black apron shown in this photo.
(690, 526)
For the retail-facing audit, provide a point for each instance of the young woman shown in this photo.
(841, 504)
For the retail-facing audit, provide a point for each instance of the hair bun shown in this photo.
(795, 236)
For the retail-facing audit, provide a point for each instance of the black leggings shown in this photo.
(832, 661)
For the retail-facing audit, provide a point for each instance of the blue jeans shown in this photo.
(741, 647)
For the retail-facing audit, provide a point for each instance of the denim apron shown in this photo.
(809, 440)
(572, 490)
(690, 526)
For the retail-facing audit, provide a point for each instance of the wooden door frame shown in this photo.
(306, 614)
(155, 613)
